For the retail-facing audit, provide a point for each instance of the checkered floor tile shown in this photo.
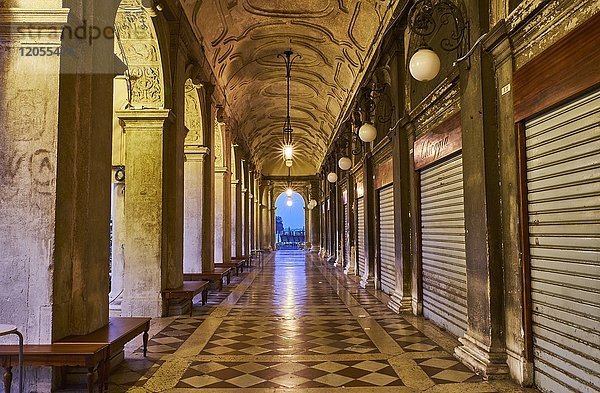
(355, 373)
(447, 370)
(289, 337)
(169, 339)
(292, 307)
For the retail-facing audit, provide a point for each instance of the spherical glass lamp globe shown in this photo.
(367, 132)
(424, 64)
(345, 163)
(289, 192)
(289, 202)
(332, 177)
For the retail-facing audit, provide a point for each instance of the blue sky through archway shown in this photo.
(293, 217)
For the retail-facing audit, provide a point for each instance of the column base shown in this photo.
(177, 307)
(142, 307)
(351, 268)
(367, 282)
(417, 307)
(399, 303)
(486, 361)
(339, 261)
(520, 369)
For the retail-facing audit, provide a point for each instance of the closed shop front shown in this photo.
(444, 267)
(346, 237)
(387, 254)
(562, 150)
(360, 231)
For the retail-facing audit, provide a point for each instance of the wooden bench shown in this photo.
(216, 276)
(188, 290)
(118, 332)
(237, 265)
(94, 357)
(244, 258)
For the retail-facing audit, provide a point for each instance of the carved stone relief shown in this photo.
(193, 115)
(137, 46)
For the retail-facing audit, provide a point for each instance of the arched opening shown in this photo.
(290, 221)
(138, 85)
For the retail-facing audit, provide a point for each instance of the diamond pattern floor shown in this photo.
(295, 325)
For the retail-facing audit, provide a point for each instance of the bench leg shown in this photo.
(228, 278)
(221, 284)
(145, 339)
(106, 374)
(204, 296)
(90, 380)
(191, 306)
(7, 378)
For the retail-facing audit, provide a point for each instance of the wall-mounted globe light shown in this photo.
(424, 64)
(289, 192)
(332, 177)
(345, 163)
(289, 201)
(367, 132)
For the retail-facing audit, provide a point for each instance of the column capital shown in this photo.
(197, 150)
(196, 153)
(26, 25)
(144, 119)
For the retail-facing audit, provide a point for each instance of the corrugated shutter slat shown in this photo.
(563, 184)
(387, 247)
(360, 245)
(443, 246)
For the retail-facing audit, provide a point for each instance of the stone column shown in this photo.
(244, 223)
(367, 280)
(194, 195)
(315, 219)
(234, 216)
(519, 353)
(208, 205)
(118, 244)
(145, 259)
(29, 113)
(221, 178)
(403, 168)
(483, 345)
(350, 269)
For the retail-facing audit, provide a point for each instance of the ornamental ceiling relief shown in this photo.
(242, 39)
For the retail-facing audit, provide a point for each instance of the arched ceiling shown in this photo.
(242, 38)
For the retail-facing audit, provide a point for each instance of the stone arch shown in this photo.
(193, 115)
(137, 46)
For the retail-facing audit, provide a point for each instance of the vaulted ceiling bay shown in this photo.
(336, 39)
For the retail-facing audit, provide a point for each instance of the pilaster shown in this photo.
(194, 195)
(146, 260)
(483, 346)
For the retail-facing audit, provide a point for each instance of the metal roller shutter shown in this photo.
(387, 246)
(443, 248)
(563, 182)
(360, 244)
(346, 237)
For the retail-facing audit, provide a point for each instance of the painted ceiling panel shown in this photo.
(242, 39)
